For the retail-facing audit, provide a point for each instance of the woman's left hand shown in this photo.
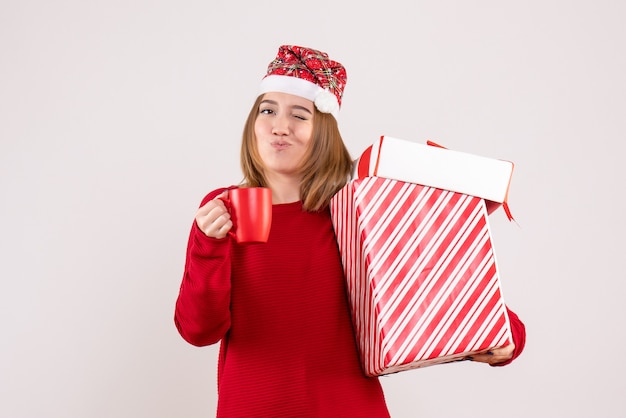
(495, 355)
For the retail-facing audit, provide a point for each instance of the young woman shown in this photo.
(280, 308)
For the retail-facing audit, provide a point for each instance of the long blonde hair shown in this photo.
(325, 168)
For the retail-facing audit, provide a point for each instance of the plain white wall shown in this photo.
(116, 117)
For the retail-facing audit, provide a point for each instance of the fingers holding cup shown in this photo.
(213, 218)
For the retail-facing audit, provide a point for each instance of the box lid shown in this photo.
(435, 166)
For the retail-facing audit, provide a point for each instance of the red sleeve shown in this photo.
(202, 313)
(518, 331)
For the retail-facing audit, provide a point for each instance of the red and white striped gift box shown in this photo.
(421, 274)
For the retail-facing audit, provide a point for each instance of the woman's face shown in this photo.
(283, 130)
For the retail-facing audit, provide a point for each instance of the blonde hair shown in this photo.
(325, 168)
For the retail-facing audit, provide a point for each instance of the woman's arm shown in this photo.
(202, 314)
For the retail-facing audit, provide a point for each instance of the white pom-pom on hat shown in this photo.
(326, 102)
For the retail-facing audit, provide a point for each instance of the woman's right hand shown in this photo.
(213, 218)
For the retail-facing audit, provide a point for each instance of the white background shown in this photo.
(116, 117)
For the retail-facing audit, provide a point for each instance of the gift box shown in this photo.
(421, 273)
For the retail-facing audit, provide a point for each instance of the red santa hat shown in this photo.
(307, 73)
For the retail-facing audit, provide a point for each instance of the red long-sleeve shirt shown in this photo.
(281, 312)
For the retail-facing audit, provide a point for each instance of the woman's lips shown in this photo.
(280, 145)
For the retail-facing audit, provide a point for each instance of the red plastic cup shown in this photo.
(251, 212)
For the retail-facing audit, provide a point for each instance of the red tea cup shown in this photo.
(251, 212)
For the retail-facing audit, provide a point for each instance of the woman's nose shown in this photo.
(280, 126)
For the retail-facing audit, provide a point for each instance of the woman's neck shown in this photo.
(284, 189)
